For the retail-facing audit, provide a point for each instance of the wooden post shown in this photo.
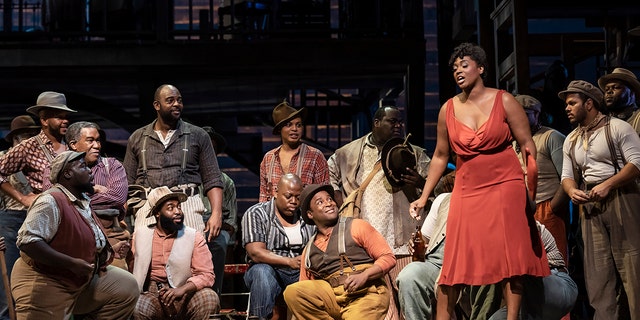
(7, 287)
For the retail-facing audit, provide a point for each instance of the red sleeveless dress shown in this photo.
(489, 236)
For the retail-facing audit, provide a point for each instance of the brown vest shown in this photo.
(74, 238)
(328, 262)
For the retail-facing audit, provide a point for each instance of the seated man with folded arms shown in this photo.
(172, 264)
(343, 264)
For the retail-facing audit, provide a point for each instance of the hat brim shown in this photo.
(304, 205)
(633, 84)
(181, 196)
(393, 171)
(29, 129)
(563, 94)
(302, 113)
(35, 110)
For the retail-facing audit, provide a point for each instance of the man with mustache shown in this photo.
(174, 153)
(172, 264)
(600, 168)
(110, 184)
(384, 206)
(64, 260)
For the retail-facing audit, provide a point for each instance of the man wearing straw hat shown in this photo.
(621, 89)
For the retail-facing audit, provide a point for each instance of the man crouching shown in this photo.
(343, 269)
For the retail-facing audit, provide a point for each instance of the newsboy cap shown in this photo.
(584, 87)
(529, 103)
(61, 161)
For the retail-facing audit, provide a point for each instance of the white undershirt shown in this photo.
(294, 235)
(165, 140)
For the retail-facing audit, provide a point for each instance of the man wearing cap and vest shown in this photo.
(12, 212)
(621, 89)
(64, 260)
(600, 165)
(109, 184)
(172, 264)
(343, 264)
(273, 234)
(292, 156)
(386, 198)
(174, 153)
(552, 203)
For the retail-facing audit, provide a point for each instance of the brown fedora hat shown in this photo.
(305, 198)
(50, 99)
(22, 124)
(283, 113)
(397, 156)
(623, 75)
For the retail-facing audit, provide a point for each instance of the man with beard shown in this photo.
(273, 236)
(621, 88)
(174, 153)
(64, 260)
(172, 264)
(344, 263)
(110, 184)
(384, 206)
(601, 162)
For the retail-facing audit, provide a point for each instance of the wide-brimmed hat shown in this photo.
(22, 124)
(221, 142)
(529, 103)
(159, 195)
(283, 113)
(584, 87)
(61, 161)
(50, 99)
(305, 198)
(397, 155)
(624, 75)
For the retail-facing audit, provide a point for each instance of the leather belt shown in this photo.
(190, 189)
(338, 280)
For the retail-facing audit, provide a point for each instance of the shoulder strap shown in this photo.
(301, 155)
(143, 154)
(44, 148)
(185, 152)
(373, 172)
(611, 145)
(577, 172)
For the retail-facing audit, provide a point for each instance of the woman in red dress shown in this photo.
(489, 236)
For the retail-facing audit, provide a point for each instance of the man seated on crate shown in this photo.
(273, 236)
(172, 264)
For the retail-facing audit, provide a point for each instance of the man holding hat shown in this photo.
(343, 264)
(12, 212)
(64, 261)
(273, 236)
(386, 199)
(33, 157)
(292, 156)
(552, 203)
(172, 264)
(621, 89)
(600, 166)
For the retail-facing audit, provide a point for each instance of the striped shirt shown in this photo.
(314, 169)
(260, 224)
(553, 254)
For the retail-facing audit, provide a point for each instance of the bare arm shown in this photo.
(258, 253)
(26, 200)
(437, 166)
(518, 123)
(215, 221)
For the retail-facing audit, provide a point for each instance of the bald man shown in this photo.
(273, 236)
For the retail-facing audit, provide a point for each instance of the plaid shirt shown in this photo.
(29, 158)
(314, 170)
(164, 164)
(260, 224)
